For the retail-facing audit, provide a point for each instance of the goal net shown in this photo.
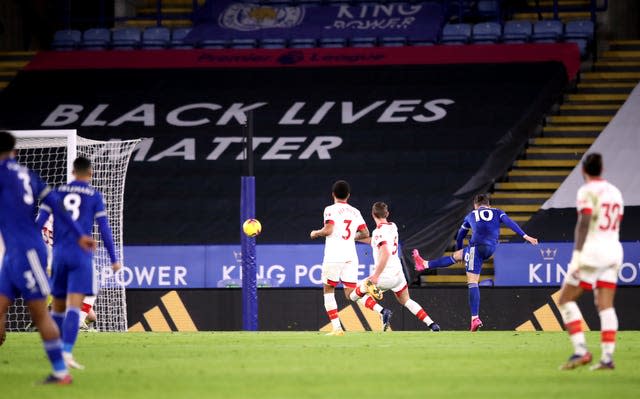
(51, 154)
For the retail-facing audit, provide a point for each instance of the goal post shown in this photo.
(51, 153)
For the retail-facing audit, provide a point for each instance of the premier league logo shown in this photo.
(251, 17)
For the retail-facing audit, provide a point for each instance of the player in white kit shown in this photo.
(343, 225)
(388, 274)
(596, 260)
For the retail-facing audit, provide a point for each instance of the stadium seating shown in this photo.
(581, 33)
(244, 43)
(302, 43)
(393, 41)
(66, 40)
(96, 39)
(363, 42)
(517, 31)
(126, 38)
(456, 34)
(547, 31)
(177, 38)
(487, 32)
(274, 43)
(333, 42)
(213, 44)
(156, 38)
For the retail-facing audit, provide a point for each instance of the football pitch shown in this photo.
(311, 365)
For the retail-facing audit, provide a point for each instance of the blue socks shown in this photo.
(58, 318)
(70, 329)
(54, 352)
(474, 299)
(445, 261)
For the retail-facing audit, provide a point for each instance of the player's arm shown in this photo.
(363, 235)
(462, 233)
(516, 229)
(105, 233)
(327, 230)
(383, 257)
(43, 215)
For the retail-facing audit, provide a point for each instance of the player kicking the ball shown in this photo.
(343, 225)
(388, 273)
(485, 223)
(73, 272)
(597, 257)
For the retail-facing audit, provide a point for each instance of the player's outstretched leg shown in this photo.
(572, 318)
(405, 300)
(360, 296)
(422, 264)
(51, 340)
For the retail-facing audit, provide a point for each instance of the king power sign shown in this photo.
(547, 264)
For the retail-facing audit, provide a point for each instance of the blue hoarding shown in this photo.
(546, 264)
(218, 266)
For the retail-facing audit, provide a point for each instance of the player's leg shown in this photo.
(604, 296)
(330, 279)
(402, 295)
(86, 311)
(444, 261)
(473, 257)
(571, 290)
(81, 281)
(58, 307)
(361, 296)
(5, 302)
(59, 291)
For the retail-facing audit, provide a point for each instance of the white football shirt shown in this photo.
(602, 202)
(387, 234)
(340, 246)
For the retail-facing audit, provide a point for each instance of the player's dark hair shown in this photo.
(380, 210)
(81, 165)
(592, 164)
(7, 141)
(482, 199)
(341, 189)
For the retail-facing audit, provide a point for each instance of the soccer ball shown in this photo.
(251, 227)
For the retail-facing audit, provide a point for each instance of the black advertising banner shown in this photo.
(303, 310)
(411, 136)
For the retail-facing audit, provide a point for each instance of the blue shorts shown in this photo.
(73, 273)
(475, 255)
(23, 274)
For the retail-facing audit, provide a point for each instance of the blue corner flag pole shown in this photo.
(248, 244)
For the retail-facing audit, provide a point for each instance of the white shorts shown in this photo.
(335, 272)
(589, 277)
(394, 282)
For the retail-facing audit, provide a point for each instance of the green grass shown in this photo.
(310, 365)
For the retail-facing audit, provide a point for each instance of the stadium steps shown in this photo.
(175, 14)
(10, 63)
(566, 134)
(563, 15)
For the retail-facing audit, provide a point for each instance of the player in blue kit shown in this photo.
(22, 270)
(484, 221)
(73, 272)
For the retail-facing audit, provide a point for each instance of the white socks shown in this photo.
(572, 319)
(331, 306)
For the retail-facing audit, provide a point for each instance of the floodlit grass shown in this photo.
(310, 365)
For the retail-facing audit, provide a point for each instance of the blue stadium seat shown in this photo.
(456, 34)
(517, 32)
(487, 32)
(177, 38)
(244, 43)
(579, 32)
(547, 31)
(213, 44)
(125, 38)
(302, 43)
(156, 37)
(96, 39)
(66, 40)
(489, 8)
(333, 42)
(363, 41)
(393, 41)
(273, 43)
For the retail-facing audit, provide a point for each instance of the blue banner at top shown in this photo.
(221, 19)
(546, 264)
